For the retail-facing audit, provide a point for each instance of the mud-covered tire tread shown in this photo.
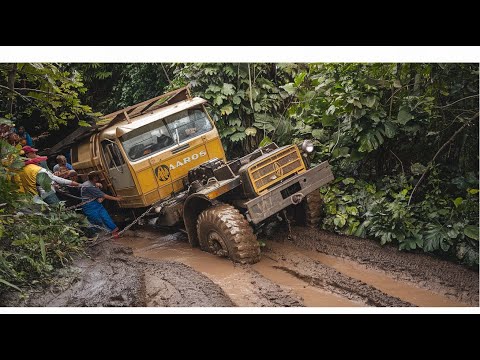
(235, 230)
(313, 208)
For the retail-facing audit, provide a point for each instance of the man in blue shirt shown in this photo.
(94, 210)
(62, 161)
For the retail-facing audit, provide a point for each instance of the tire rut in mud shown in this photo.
(328, 279)
(445, 277)
(266, 293)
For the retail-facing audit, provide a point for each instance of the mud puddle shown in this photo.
(378, 280)
(286, 276)
(243, 284)
(446, 283)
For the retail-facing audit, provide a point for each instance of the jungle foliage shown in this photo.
(402, 140)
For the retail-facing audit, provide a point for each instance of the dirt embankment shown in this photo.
(111, 276)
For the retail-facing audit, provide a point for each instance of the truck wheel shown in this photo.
(223, 231)
(311, 208)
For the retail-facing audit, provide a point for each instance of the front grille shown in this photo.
(275, 168)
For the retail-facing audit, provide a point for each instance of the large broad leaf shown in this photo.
(471, 231)
(404, 115)
(328, 120)
(238, 136)
(228, 89)
(250, 131)
(390, 129)
(289, 88)
(369, 101)
(226, 110)
(436, 237)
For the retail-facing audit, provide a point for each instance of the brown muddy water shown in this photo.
(290, 275)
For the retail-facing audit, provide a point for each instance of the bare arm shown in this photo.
(114, 198)
(59, 180)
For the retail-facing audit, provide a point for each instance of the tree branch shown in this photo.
(401, 163)
(438, 152)
(468, 97)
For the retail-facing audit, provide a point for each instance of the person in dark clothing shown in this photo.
(94, 210)
(25, 137)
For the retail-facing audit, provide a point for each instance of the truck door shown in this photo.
(117, 168)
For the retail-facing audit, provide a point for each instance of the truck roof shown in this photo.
(126, 126)
(121, 116)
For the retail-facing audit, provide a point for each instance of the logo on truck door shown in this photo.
(162, 172)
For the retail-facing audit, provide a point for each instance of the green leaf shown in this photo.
(351, 210)
(369, 101)
(328, 120)
(83, 123)
(226, 110)
(238, 136)
(473, 191)
(404, 115)
(318, 133)
(339, 221)
(348, 181)
(5, 282)
(418, 168)
(397, 84)
(289, 88)
(250, 131)
(390, 129)
(458, 201)
(218, 99)
(42, 249)
(265, 141)
(228, 89)
(235, 122)
(299, 78)
(340, 152)
(471, 231)
(236, 100)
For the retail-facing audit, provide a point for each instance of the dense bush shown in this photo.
(34, 239)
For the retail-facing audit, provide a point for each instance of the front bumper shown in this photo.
(281, 196)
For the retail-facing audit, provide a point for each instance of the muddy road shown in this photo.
(315, 268)
(309, 268)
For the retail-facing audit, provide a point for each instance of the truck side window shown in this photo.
(112, 154)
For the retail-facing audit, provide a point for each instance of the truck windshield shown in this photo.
(165, 133)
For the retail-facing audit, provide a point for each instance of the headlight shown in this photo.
(307, 146)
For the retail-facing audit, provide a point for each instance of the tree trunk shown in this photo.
(11, 85)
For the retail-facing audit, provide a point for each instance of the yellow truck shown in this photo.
(165, 154)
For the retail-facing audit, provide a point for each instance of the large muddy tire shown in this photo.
(223, 231)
